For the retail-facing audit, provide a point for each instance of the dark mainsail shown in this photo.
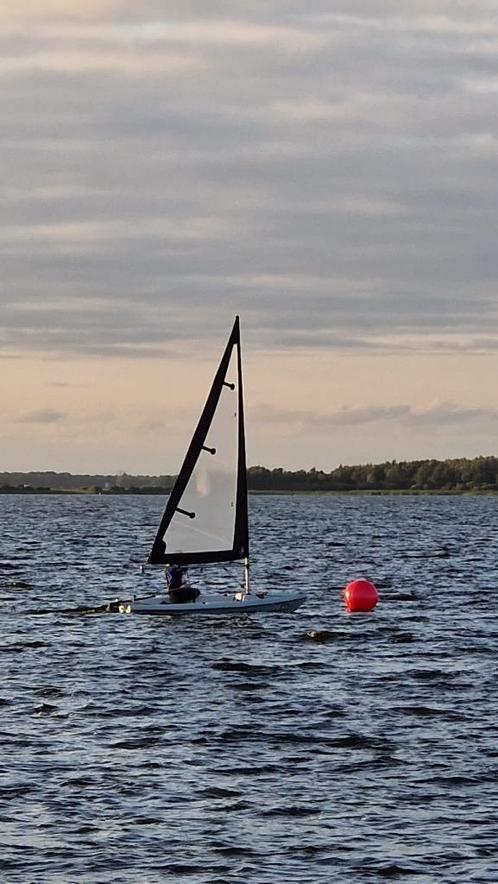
(206, 517)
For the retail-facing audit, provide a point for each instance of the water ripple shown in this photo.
(315, 747)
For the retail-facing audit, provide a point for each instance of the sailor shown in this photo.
(176, 576)
(178, 586)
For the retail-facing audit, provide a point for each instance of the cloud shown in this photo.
(232, 33)
(42, 416)
(30, 11)
(102, 62)
(426, 416)
(99, 418)
(329, 174)
(151, 425)
(64, 384)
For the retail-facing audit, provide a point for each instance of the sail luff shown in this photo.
(159, 554)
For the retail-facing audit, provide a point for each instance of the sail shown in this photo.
(205, 519)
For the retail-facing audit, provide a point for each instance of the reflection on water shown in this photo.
(140, 750)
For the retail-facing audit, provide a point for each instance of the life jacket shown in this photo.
(174, 577)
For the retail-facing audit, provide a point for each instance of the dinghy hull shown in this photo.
(208, 606)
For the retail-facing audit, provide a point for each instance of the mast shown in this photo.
(242, 518)
(242, 510)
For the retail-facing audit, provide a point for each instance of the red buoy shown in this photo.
(360, 595)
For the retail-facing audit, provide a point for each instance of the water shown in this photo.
(144, 750)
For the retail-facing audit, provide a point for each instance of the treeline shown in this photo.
(460, 475)
(69, 482)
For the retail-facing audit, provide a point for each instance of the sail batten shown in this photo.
(206, 519)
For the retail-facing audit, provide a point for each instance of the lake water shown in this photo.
(140, 749)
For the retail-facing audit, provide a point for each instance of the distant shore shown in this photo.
(393, 492)
(477, 475)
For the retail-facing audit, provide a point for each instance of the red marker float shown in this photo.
(360, 595)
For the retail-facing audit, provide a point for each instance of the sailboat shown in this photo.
(206, 516)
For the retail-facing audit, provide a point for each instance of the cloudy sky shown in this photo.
(326, 169)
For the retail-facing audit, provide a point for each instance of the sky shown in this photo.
(327, 170)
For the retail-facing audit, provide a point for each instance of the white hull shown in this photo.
(216, 605)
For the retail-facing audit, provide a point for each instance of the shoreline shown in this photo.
(351, 492)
